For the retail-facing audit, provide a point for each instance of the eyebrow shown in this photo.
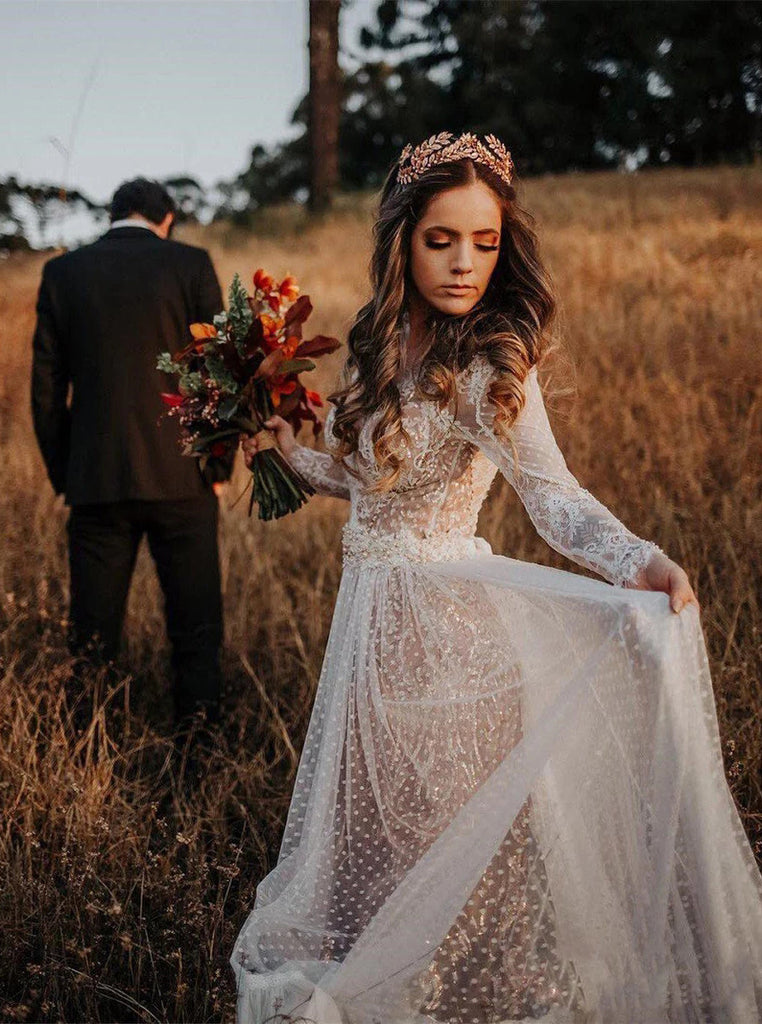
(454, 234)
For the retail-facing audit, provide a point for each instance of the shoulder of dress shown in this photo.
(474, 382)
(477, 375)
(331, 441)
(474, 379)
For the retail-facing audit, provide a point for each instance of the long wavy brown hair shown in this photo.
(509, 324)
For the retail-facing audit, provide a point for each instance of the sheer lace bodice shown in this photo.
(432, 511)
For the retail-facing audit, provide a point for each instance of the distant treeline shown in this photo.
(571, 85)
(34, 212)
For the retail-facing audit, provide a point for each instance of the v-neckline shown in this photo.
(406, 386)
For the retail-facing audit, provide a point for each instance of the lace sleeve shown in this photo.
(566, 515)
(320, 469)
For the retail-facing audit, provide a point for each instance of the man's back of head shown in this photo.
(142, 199)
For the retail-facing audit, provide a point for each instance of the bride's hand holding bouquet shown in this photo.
(284, 435)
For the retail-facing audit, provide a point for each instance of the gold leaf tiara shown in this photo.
(445, 148)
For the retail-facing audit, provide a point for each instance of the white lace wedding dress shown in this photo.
(511, 802)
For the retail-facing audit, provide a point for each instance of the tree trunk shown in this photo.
(324, 101)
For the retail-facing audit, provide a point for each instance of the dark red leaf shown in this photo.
(289, 403)
(270, 364)
(320, 345)
(298, 313)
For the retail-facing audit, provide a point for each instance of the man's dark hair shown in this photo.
(148, 198)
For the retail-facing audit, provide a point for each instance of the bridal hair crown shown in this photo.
(445, 148)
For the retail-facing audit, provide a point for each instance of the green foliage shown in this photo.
(191, 383)
(166, 364)
(296, 366)
(240, 315)
(228, 407)
(221, 375)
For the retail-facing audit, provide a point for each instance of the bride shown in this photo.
(511, 802)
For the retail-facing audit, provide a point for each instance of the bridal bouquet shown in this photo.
(239, 371)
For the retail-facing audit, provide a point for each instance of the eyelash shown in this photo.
(443, 245)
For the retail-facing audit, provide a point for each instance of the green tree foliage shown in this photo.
(578, 84)
(712, 64)
(585, 84)
(42, 205)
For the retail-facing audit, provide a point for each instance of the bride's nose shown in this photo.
(462, 262)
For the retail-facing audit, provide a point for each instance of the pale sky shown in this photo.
(151, 87)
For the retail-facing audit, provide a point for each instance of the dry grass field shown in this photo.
(121, 891)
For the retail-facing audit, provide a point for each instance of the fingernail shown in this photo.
(677, 606)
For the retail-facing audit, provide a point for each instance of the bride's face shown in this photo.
(455, 246)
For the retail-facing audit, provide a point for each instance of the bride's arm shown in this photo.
(319, 469)
(564, 513)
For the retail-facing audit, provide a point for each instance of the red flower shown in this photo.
(218, 449)
(263, 282)
(274, 302)
(313, 398)
(173, 401)
(280, 385)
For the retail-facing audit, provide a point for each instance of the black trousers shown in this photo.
(182, 537)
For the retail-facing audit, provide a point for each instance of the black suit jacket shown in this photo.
(104, 313)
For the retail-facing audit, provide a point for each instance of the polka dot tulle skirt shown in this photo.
(510, 806)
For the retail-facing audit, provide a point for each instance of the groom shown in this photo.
(104, 313)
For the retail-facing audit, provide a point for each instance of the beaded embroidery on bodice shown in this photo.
(433, 508)
(447, 469)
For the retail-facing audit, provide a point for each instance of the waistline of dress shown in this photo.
(364, 547)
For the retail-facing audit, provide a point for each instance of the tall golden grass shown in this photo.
(122, 889)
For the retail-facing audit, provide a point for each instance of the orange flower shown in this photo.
(271, 325)
(271, 328)
(201, 334)
(289, 289)
(203, 331)
(290, 345)
(263, 282)
(313, 397)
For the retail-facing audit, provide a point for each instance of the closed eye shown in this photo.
(443, 245)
